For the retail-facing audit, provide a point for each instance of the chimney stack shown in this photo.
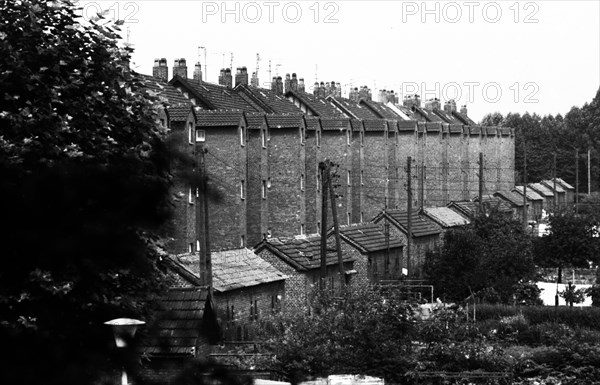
(381, 96)
(254, 80)
(432, 104)
(294, 83)
(450, 106)
(274, 84)
(222, 77)
(412, 101)
(316, 89)
(180, 68)
(364, 93)
(241, 76)
(287, 85)
(353, 94)
(160, 69)
(301, 87)
(228, 78)
(279, 85)
(332, 90)
(338, 91)
(463, 109)
(322, 90)
(198, 72)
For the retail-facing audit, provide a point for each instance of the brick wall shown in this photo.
(295, 283)
(257, 202)
(433, 164)
(455, 143)
(312, 191)
(375, 173)
(358, 182)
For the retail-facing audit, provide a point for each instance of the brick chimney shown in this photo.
(160, 69)
(222, 77)
(198, 72)
(287, 85)
(432, 104)
(364, 93)
(338, 91)
(332, 90)
(450, 106)
(353, 94)
(412, 100)
(274, 84)
(279, 85)
(463, 109)
(393, 97)
(316, 89)
(322, 90)
(241, 76)
(180, 68)
(294, 83)
(301, 87)
(328, 89)
(228, 78)
(254, 80)
(381, 96)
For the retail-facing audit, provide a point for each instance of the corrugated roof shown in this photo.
(531, 195)
(179, 323)
(541, 189)
(511, 197)
(369, 237)
(421, 225)
(301, 252)
(445, 217)
(234, 269)
(219, 118)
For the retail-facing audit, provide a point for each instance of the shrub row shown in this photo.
(587, 317)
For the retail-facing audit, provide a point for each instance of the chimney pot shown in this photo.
(160, 69)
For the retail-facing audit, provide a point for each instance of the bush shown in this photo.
(587, 317)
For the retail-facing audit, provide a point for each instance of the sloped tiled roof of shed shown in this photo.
(354, 108)
(369, 237)
(234, 269)
(550, 185)
(284, 121)
(312, 122)
(564, 184)
(335, 124)
(302, 252)
(255, 120)
(446, 217)
(531, 195)
(541, 189)
(179, 323)
(421, 225)
(375, 125)
(219, 118)
(511, 196)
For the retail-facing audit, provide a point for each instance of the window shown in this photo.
(318, 228)
(318, 137)
(348, 137)
(162, 122)
(349, 178)
(191, 132)
(362, 216)
(302, 135)
(200, 136)
(264, 189)
(253, 310)
(275, 303)
(362, 138)
(302, 182)
(198, 244)
(242, 136)
(242, 190)
(302, 229)
(191, 247)
(191, 194)
(242, 241)
(263, 138)
(349, 218)
(362, 175)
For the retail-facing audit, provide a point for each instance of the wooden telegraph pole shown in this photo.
(409, 209)
(525, 224)
(324, 182)
(480, 183)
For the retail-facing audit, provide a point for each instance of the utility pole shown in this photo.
(202, 220)
(480, 183)
(324, 169)
(554, 182)
(589, 172)
(577, 180)
(409, 209)
(336, 226)
(525, 188)
(422, 186)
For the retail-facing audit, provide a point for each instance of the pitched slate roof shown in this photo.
(531, 195)
(164, 91)
(446, 117)
(423, 114)
(463, 118)
(446, 217)
(301, 252)
(268, 100)
(319, 106)
(335, 124)
(216, 97)
(369, 237)
(219, 118)
(550, 184)
(421, 225)
(541, 189)
(456, 128)
(312, 122)
(375, 125)
(380, 110)
(234, 269)
(471, 208)
(407, 125)
(255, 120)
(179, 323)
(511, 197)
(352, 108)
(284, 121)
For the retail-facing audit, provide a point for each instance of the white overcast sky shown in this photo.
(506, 56)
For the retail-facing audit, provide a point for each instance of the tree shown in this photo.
(493, 252)
(84, 184)
(572, 242)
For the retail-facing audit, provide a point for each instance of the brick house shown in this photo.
(377, 255)
(535, 201)
(299, 258)
(425, 236)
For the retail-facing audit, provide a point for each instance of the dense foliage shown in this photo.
(490, 257)
(84, 183)
(542, 137)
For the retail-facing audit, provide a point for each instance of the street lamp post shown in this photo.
(123, 330)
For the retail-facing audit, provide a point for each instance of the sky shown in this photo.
(508, 56)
